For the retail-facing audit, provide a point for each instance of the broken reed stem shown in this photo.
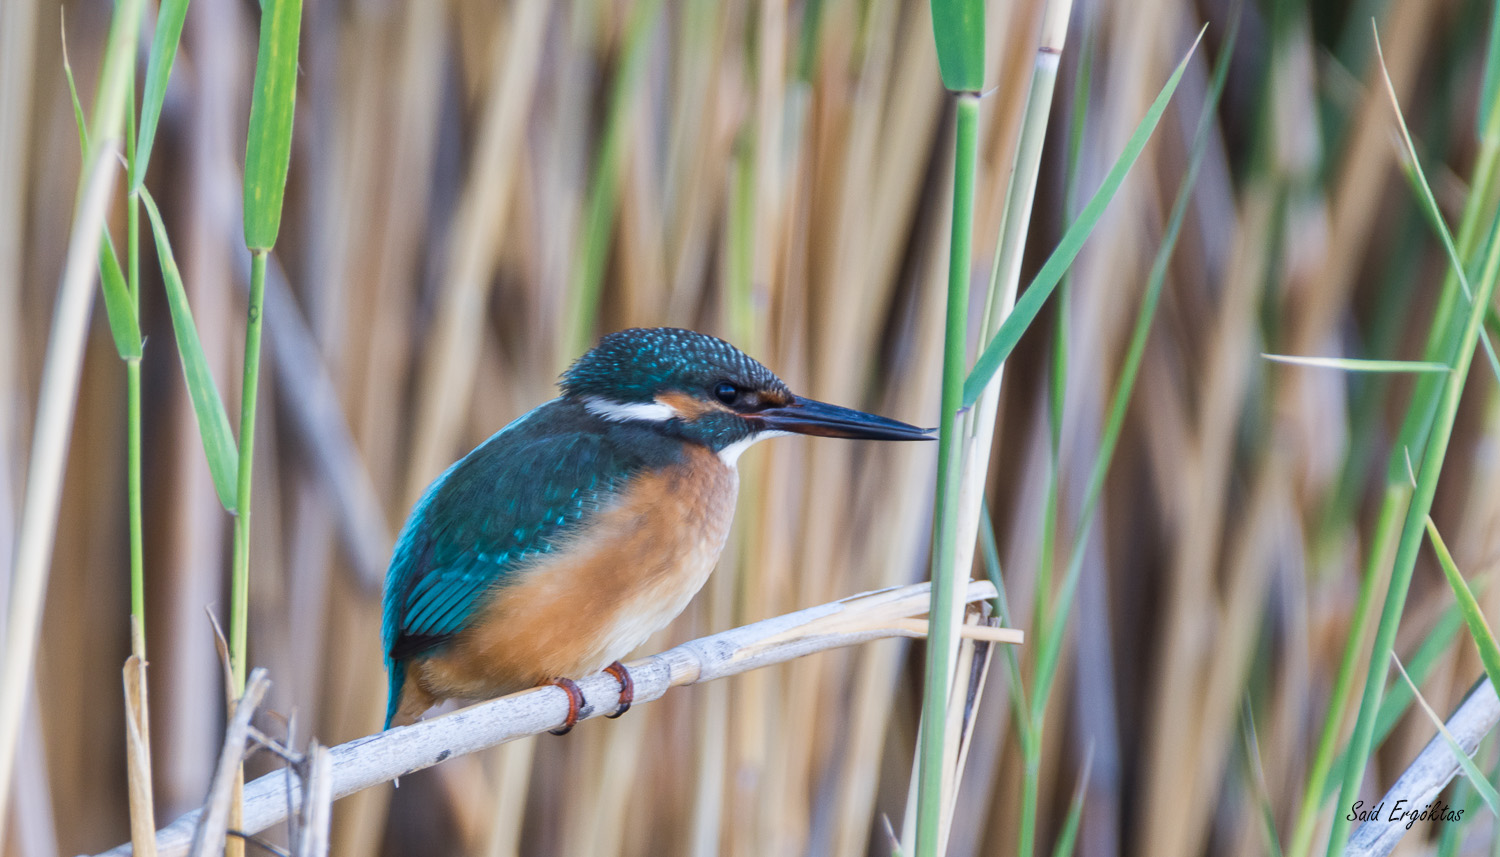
(138, 750)
(317, 810)
(375, 759)
(210, 831)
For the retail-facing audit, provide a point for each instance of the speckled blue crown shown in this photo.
(635, 365)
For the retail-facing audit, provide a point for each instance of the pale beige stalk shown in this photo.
(54, 425)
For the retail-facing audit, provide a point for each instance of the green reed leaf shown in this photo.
(158, 69)
(958, 30)
(1030, 303)
(268, 149)
(117, 301)
(118, 304)
(1479, 629)
(208, 406)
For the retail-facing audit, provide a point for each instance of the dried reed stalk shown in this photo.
(54, 425)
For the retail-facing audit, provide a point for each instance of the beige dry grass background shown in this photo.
(776, 173)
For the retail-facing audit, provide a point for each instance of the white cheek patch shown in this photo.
(730, 454)
(660, 412)
(651, 412)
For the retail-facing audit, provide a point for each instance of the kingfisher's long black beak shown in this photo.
(806, 416)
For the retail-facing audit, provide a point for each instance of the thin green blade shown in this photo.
(1350, 364)
(991, 550)
(115, 74)
(208, 407)
(268, 149)
(1418, 178)
(117, 302)
(1398, 699)
(1067, 250)
(958, 30)
(1052, 636)
(1476, 777)
(1067, 839)
(1491, 88)
(158, 69)
(1258, 780)
(1479, 629)
(83, 131)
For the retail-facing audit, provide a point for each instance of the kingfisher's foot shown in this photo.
(575, 704)
(627, 687)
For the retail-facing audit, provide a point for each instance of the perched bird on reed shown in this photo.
(561, 543)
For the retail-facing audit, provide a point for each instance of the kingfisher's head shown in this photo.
(704, 390)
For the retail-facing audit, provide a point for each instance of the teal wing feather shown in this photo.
(510, 501)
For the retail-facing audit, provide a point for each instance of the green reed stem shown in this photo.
(133, 392)
(133, 489)
(138, 759)
(239, 597)
(941, 618)
(1397, 495)
(267, 154)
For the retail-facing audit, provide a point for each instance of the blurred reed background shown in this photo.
(479, 189)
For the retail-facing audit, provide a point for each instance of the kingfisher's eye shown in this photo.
(727, 392)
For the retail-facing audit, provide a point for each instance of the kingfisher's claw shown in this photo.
(627, 687)
(575, 704)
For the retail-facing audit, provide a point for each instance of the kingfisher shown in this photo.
(560, 544)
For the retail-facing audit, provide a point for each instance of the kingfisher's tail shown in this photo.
(397, 670)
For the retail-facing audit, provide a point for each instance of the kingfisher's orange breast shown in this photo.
(634, 566)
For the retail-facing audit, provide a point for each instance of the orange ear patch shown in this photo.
(773, 399)
(690, 408)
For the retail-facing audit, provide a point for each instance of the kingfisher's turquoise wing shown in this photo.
(485, 519)
(493, 514)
